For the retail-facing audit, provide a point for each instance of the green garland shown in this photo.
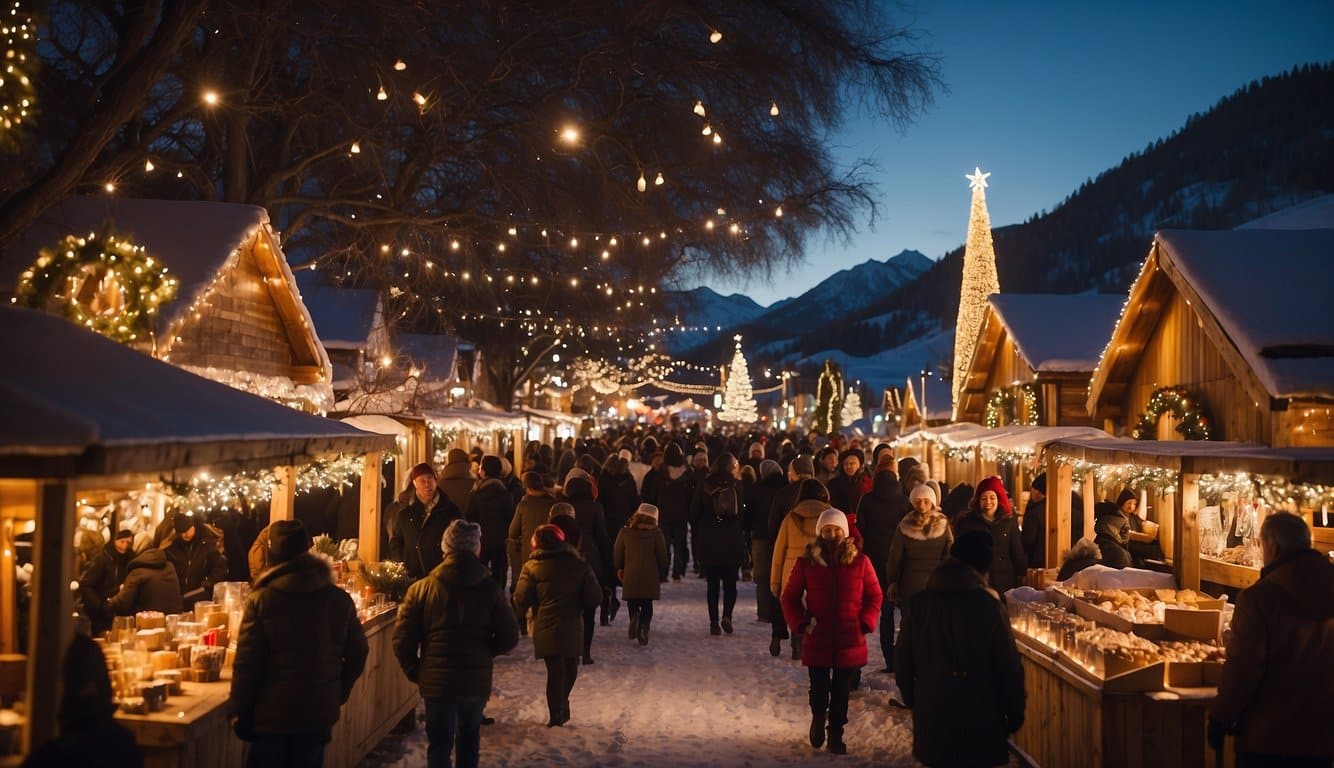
(1181, 403)
(18, 70)
(1002, 404)
(53, 282)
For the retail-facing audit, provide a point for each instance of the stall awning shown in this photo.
(1307, 465)
(557, 417)
(476, 420)
(75, 403)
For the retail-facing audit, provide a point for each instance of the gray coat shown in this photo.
(919, 545)
(641, 552)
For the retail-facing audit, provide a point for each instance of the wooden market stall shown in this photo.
(1033, 358)
(81, 413)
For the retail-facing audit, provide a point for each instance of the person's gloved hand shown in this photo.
(1217, 734)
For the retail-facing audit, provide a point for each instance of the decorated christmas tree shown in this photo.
(829, 400)
(738, 399)
(979, 281)
(852, 406)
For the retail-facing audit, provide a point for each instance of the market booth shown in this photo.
(85, 416)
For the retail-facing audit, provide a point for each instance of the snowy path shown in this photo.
(687, 699)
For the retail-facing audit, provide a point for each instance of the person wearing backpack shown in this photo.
(716, 515)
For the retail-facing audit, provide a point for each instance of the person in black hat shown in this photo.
(101, 580)
(420, 522)
(491, 506)
(956, 663)
(197, 558)
(299, 651)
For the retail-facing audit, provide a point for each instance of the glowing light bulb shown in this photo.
(699, 108)
(570, 134)
(658, 181)
(778, 212)
(419, 98)
(211, 98)
(110, 186)
(716, 37)
(717, 139)
(706, 130)
(148, 165)
(356, 148)
(400, 65)
(454, 246)
(574, 242)
(642, 184)
(773, 109)
(382, 94)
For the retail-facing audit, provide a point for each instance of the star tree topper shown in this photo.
(977, 178)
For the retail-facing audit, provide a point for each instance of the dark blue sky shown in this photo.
(1045, 95)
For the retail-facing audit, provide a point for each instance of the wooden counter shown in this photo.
(1070, 721)
(193, 730)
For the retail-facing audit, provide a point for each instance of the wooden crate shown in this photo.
(1227, 574)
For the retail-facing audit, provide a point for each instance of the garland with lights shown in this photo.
(1134, 476)
(80, 273)
(1001, 405)
(236, 491)
(17, 94)
(1181, 403)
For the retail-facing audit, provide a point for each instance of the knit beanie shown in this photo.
(1126, 495)
(770, 467)
(182, 523)
(287, 539)
(462, 536)
(804, 465)
(124, 533)
(834, 517)
(647, 510)
(975, 549)
(547, 537)
(995, 485)
(491, 466)
(423, 468)
(457, 456)
(1040, 483)
(923, 491)
(560, 509)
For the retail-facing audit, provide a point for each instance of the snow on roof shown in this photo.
(1317, 213)
(92, 391)
(1058, 332)
(433, 353)
(476, 419)
(1269, 290)
(343, 317)
(193, 238)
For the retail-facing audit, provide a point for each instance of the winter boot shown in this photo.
(643, 631)
(775, 647)
(615, 608)
(727, 624)
(836, 745)
(634, 625)
(714, 629)
(817, 730)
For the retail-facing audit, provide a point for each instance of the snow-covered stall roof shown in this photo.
(1317, 213)
(1269, 291)
(955, 430)
(434, 354)
(1058, 332)
(344, 317)
(114, 410)
(476, 420)
(558, 417)
(1313, 464)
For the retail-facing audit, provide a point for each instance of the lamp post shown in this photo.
(924, 373)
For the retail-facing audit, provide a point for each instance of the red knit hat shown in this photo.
(993, 484)
(547, 536)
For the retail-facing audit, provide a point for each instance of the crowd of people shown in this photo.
(837, 543)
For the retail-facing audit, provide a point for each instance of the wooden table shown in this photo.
(193, 730)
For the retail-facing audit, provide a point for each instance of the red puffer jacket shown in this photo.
(842, 605)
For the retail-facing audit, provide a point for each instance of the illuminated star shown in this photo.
(977, 179)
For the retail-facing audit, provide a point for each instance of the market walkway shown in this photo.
(687, 699)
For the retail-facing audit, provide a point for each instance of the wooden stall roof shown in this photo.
(1258, 294)
(75, 403)
(476, 419)
(1303, 465)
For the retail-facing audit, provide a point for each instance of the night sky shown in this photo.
(1045, 95)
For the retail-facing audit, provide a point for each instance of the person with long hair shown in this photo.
(991, 511)
(832, 598)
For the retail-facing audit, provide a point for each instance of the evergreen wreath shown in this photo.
(63, 279)
(1181, 403)
(1002, 404)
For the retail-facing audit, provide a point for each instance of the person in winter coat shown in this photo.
(921, 543)
(593, 544)
(716, 515)
(878, 516)
(101, 580)
(560, 586)
(958, 668)
(455, 479)
(759, 501)
(797, 531)
(620, 499)
(673, 499)
(955, 504)
(299, 651)
(845, 488)
(198, 563)
(1034, 532)
(801, 467)
(150, 585)
(1277, 688)
(451, 625)
(491, 507)
(533, 511)
(420, 524)
(1111, 534)
(1081, 555)
(832, 598)
(1143, 546)
(640, 558)
(826, 465)
(990, 511)
(89, 733)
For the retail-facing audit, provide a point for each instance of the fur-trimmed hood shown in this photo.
(844, 554)
(1082, 549)
(932, 526)
(643, 522)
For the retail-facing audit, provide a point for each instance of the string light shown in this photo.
(699, 108)
(659, 180)
(382, 94)
(211, 98)
(715, 37)
(400, 65)
(773, 109)
(642, 184)
(356, 148)
(17, 93)
(148, 166)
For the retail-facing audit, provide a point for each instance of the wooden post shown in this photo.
(1090, 491)
(1164, 514)
(517, 465)
(284, 494)
(368, 524)
(51, 625)
(1060, 481)
(9, 631)
(1186, 538)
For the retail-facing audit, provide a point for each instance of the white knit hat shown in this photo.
(647, 510)
(625, 453)
(832, 516)
(923, 491)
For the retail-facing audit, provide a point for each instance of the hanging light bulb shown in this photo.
(513, 231)
(773, 109)
(419, 98)
(642, 184)
(778, 212)
(400, 65)
(706, 130)
(382, 94)
(717, 139)
(716, 37)
(574, 242)
(699, 108)
(356, 148)
(148, 165)
(658, 181)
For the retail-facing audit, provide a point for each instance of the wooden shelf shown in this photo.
(1227, 574)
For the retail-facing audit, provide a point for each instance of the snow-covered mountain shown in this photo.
(706, 307)
(846, 291)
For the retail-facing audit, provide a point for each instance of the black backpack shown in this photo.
(725, 502)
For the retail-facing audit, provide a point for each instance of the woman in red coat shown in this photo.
(841, 606)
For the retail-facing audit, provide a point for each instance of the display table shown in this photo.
(1071, 721)
(193, 730)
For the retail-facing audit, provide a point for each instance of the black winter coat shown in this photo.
(1114, 554)
(1008, 563)
(594, 543)
(199, 565)
(720, 541)
(451, 625)
(299, 652)
(619, 499)
(456, 482)
(1034, 534)
(561, 586)
(100, 582)
(785, 499)
(959, 671)
(531, 512)
(151, 585)
(491, 506)
(878, 517)
(845, 492)
(675, 495)
(759, 501)
(415, 540)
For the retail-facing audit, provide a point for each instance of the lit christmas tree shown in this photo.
(829, 400)
(852, 406)
(979, 281)
(738, 399)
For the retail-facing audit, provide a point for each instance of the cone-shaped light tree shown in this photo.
(979, 281)
(852, 406)
(738, 397)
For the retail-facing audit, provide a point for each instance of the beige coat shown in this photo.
(798, 530)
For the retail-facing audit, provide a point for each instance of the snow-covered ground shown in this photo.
(686, 699)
